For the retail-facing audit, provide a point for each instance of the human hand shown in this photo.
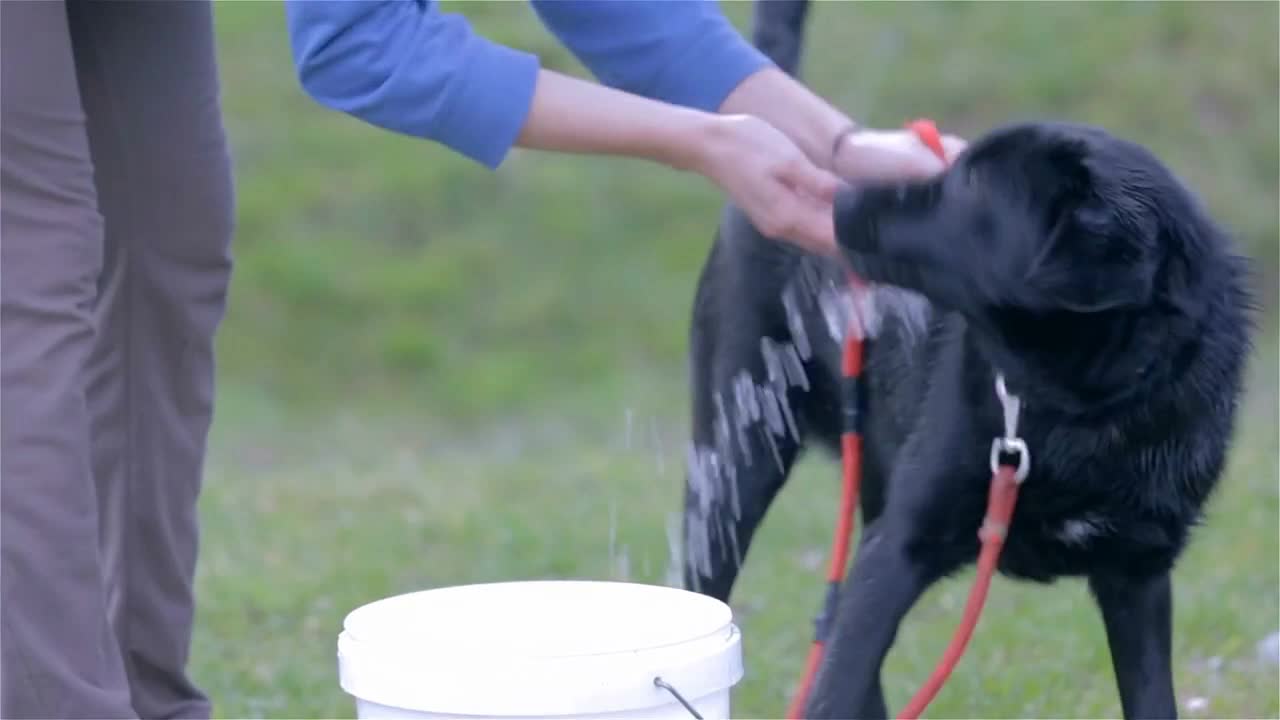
(888, 155)
(786, 196)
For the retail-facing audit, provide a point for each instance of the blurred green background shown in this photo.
(432, 374)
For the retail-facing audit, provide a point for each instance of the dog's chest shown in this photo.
(1064, 545)
(1079, 531)
(1079, 510)
(1077, 506)
(1081, 527)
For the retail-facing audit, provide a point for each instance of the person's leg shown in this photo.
(150, 89)
(58, 656)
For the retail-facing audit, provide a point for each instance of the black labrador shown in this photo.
(1070, 261)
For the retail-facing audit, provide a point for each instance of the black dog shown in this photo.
(1070, 261)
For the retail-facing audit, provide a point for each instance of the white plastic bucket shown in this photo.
(543, 649)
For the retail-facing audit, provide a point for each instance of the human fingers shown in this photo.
(798, 219)
(815, 229)
(786, 196)
(809, 179)
(886, 155)
(952, 147)
(894, 155)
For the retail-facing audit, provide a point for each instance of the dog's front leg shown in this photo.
(1138, 615)
(885, 583)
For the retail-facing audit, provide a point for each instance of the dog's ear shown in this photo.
(1095, 234)
(1096, 256)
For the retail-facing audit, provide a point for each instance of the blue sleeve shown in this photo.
(405, 66)
(685, 52)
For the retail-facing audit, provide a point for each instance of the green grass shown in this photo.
(432, 374)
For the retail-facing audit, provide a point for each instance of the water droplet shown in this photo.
(1269, 649)
(794, 367)
(657, 445)
(772, 415)
(795, 322)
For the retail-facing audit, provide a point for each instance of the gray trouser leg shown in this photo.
(112, 292)
(58, 655)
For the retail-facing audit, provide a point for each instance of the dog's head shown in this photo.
(1044, 218)
(1049, 239)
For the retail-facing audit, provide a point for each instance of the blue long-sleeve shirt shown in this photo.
(406, 66)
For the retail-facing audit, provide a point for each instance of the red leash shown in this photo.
(1000, 502)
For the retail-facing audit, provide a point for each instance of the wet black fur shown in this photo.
(1072, 261)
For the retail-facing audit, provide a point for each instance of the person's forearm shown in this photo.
(575, 116)
(811, 122)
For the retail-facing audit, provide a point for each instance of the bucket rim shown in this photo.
(488, 681)
(723, 612)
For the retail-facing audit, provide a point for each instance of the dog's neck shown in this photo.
(1083, 367)
(1065, 368)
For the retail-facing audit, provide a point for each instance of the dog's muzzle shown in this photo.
(857, 229)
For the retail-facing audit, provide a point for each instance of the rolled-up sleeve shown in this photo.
(685, 52)
(405, 66)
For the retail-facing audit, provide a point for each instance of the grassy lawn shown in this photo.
(432, 374)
